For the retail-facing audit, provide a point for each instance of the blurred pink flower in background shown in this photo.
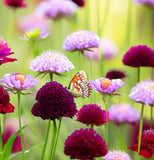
(15, 3)
(146, 2)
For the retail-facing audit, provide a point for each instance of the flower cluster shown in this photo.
(92, 114)
(53, 102)
(85, 144)
(5, 105)
(115, 74)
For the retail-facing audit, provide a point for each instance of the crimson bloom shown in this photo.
(5, 105)
(147, 144)
(85, 144)
(4, 52)
(15, 3)
(80, 3)
(115, 74)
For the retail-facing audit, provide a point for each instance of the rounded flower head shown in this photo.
(123, 113)
(5, 106)
(15, 3)
(53, 102)
(56, 8)
(80, 3)
(18, 81)
(115, 74)
(91, 114)
(117, 155)
(105, 85)
(4, 52)
(51, 61)
(138, 56)
(143, 92)
(147, 144)
(81, 40)
(146, 2)
(85, 144)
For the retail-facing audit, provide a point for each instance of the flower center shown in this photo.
(105, 83)
(117, 156)
(151, 86)
(20, 77)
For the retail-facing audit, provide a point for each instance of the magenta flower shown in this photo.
(80, 3)
(5, 105)
(51, 61)
(146, 2)
(18, 81)
(4, 52)
(139, 56)
(143, 92)
(15, 3)
(81, 40)
(105, 85)
(56, 8)
(116, 155)
(91, 114)
(53, 102)
(85, 144)
(123, 113)
(115, 74)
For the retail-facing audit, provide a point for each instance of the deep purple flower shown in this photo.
(4, 52)
(116, 155)
(51, 61)
(91, 114)
(115, 74)
(56, 8)
(85, 144)
(138, 56)
(53, 102)
(18, 81)
(143, 92)
(15, 3)
(123, 113)
(80, 3)
(5, 105)
(105, 85)
(81, 40)
(146, 2)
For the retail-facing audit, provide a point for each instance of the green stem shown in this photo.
(20, 126)
(56, 139)
(51, 76)
(1, 142)
(53, 138)
(151, 117)
(138, 74)
(98, 16)
(46, 139)
(34, 48)
(140, 131)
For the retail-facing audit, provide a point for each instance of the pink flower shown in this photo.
(18, 81)
(15, 3)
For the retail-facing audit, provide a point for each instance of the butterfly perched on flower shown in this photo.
(79, 86)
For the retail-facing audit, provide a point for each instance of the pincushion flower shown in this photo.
(146, 2)
(5, 105)
(80, 3)
(123, 113)
(85, 144)
(53, 102)
(18, 81)
(115, 74)
(56, 8)
(51, 61)
(81, 40)
(143, 92)
(105, 85)
(138, 56)
(15, 3)
(116, 155)
(4, 52)
(147, 144)
(92, 114)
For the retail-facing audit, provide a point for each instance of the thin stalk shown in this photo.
(138, 74)
(4, 122)
(51, 76)
(140, 131)
(53, 138)
(20, 126)
(34, 49)
(101, 62)
(1, 142)
(46, 139)
(98, 16)
(151, 117)
(56, 139)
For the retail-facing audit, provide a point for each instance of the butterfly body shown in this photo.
(79, 87)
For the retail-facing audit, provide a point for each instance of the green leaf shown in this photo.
(8, 145)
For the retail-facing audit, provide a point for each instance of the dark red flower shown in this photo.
(91, 114)
(115, 74)
(5, 106)
(85, 144)
(53, 102)
(14, 3)
(147, 144)
(138, 56)
(80, 3)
